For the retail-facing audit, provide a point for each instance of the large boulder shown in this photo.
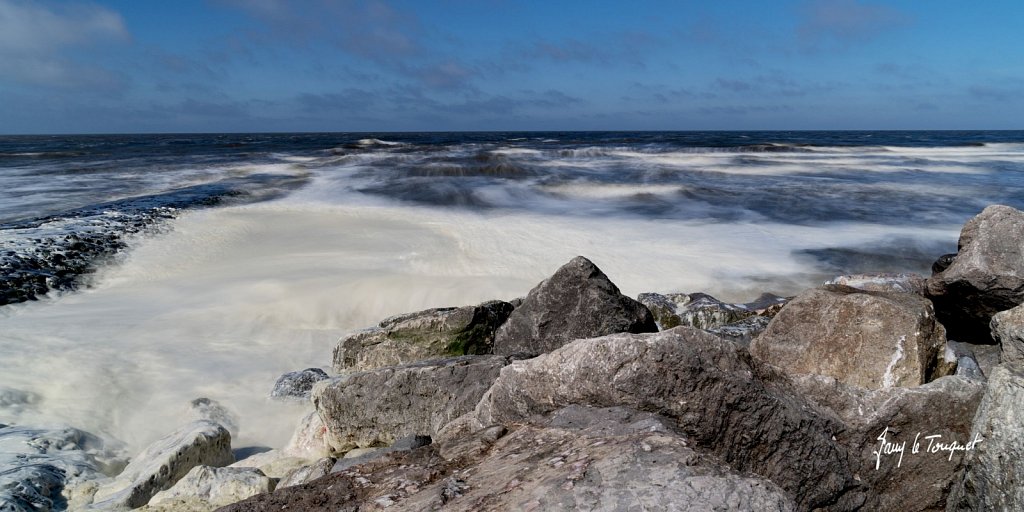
(213, 487)
(993, 478)
(725, 403)
(578, 301)
(909, 480)
(985, 277)
(163, 463)
(422, 335)
(868, 339)
(374, 408)
(1008, 330)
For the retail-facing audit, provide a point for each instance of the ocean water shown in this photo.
(208, 265)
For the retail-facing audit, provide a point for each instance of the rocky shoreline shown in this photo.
(870, 392)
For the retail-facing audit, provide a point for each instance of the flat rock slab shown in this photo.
(985, 277)
(578, 301)
(868, 339)
(377, 407)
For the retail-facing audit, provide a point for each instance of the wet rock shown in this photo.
(883, 282)
(918, 481)
(414, 399)
(986, 277)
(1008, 331)
(993, 477)
(867, 339)
(163, 463)
(422, 335)
(942, 263)
(215, 486)
(297, 385)
(742, 332)
(212, 410)
(578, 301)
(722, 401)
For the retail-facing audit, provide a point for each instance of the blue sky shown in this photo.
(394, 65)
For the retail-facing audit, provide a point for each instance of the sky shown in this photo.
(134, 66)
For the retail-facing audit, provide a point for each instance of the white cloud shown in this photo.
(35, 37)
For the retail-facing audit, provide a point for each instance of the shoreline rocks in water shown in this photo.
(849, 397)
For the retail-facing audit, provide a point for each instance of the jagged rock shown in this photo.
(694, 309)
(742, 332)
(422, 335)
(414, 399)
(918, 481)
(297, 385)
(1008, 330)
(578, 301)
(993, 477)
(580, 458)
(986, 277)
(307, 473)
(741, 411)
(216, 486)
(36, 464)
(883, 282)
(163, 463)
(868, 339)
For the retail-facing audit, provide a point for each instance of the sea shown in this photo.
(139, 272)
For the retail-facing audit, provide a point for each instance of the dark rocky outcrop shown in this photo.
(578, 301)
(376, 407)
(868, 339)
(297, 385)
(993, 477)
(428, 334)
(986, 277)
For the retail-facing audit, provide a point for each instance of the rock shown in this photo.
(579, 458)
(211, 410)
(163, 463)
(306, 473)
(766, 304)
(883, 282)
(942, 263)
(993, 477)
(422, 335)
(867, 339)
(742, 332)
(308, 439)
(578, 301)
(36, 464)
(297, 385)
(273, 463)
(1008, 330)
(16, 399)
(986, 277)
(735, 408)
(696, 310)
(360, 456)
(918, 481)
(216, 486)
(414, 399)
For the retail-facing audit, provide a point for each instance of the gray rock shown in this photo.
(377, 407)
(720, 399)
(212, 410)
(578, 301)
(306, 473)
(993, 477)
(163, 463)
(36, 464)
(215, 487)
(1008, 331)
(308, 439)
(297, 385)
(883, 282)
(422, 335)
(694, 309)
(404, 444)
(986, 277)
(743, 331)
(867, 339)
(916, 481)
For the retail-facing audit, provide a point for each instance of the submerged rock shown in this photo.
(414, 399)
(422, 335)
(986, 277)
(163, 463)
(993, 478)
(867, 339)
(297, 385)
(578, 301)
